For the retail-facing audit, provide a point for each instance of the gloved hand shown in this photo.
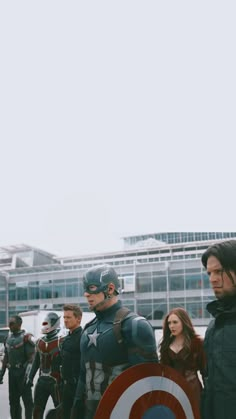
(27, 380)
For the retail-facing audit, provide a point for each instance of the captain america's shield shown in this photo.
(148, 391)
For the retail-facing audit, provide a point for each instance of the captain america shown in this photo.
(113, 341)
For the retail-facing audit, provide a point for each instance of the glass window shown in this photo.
(129, 304)
(80, 289)
(12, 292)
(192, 270)
(159, 309)
(58, 281)
(144, 309)
(176, 282)
(21, 308)
(70, 280)
(175, 301)
(2, 295)
(46, 291)
(3, 319)
(159, 283)
(206, 313)
(176, 304)
(193, 282)
(205, 279)
(194, 309)
(22, 293)
(45, 281)
(143, 281)
(176, 271)
(34, 292)
(59, 290)
(212, 235)
(72, 290)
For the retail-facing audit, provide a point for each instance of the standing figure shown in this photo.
(70, 352)
(47, 360)
(18, 357)
(219, 396)
(182, 349)
(112, 342)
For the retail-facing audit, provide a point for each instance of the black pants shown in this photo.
(68, 394)
(45, 387)
(18, 389)
(90, 408)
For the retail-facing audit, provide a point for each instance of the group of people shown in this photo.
(76, 369)
(54, 356)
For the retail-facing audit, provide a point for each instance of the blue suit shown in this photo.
(103, 358)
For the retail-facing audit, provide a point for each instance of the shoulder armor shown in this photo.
(29, 338)
(141, 332)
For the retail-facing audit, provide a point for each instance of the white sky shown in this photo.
(117, 118)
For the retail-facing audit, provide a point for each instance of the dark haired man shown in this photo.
(70, 352)
(70, 361)
(18, 357)
(113, 341)
(219, 400)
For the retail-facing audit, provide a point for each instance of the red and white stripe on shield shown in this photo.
(148, 391)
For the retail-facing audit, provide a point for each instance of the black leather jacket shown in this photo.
(219, 399)
(70, 353)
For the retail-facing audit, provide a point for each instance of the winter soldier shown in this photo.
(113, 341)
(18, 357)
(219, 401)
(47, 360)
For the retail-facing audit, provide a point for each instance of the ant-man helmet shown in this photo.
(50, 323)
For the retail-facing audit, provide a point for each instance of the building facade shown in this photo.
(157, 272)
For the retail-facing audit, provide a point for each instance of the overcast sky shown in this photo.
(117, 118)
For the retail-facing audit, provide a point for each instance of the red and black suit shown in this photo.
(48, 361)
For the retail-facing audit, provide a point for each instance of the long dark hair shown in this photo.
(188, 332)
(225, 252)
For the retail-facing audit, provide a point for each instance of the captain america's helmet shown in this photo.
(50, 323)
(101, 276)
